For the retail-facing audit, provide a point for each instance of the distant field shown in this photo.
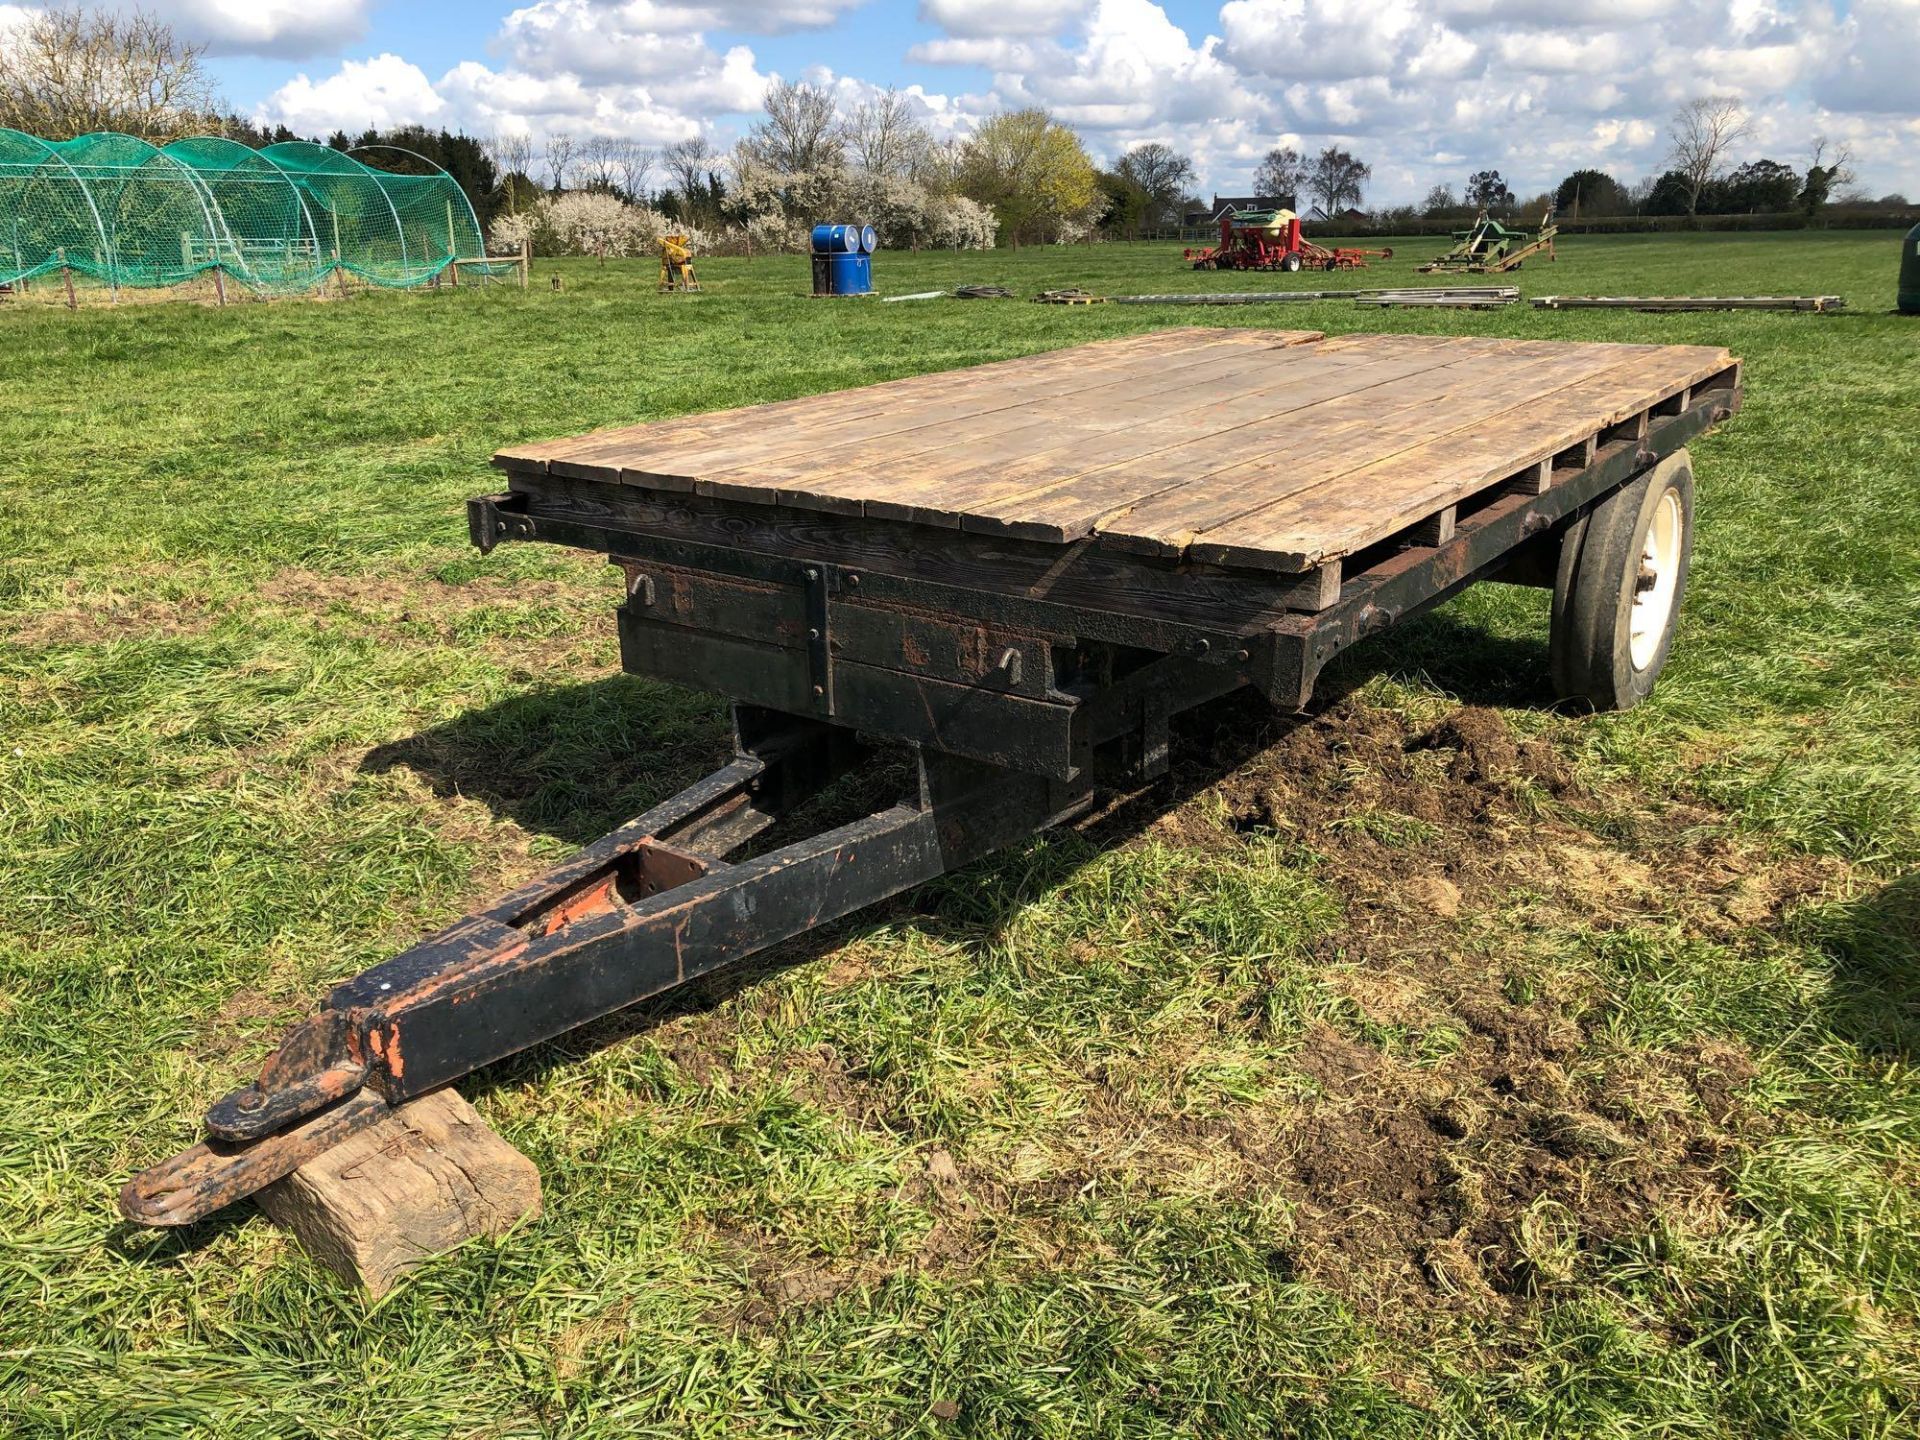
(1438, 1064)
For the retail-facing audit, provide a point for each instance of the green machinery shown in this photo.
(1489, 248)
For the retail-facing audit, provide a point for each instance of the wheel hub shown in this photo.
(1658, 582)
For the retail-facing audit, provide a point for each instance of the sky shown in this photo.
(1426, 93)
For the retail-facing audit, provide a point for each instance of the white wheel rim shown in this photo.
(1657, 581)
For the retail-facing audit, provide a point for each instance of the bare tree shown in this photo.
(884, 136)
(1163, 175)
(1704, 130)
(65, 72)
(599, 162)
(635, 163)
(512, 154)
(1282, 172)
(1338, 178)
(688, 163)
(801, 132)
(1825, 173)
(560, 148)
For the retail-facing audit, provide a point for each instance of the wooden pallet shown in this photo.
(1275, 452)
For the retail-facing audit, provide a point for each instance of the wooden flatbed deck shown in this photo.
(1271, 451)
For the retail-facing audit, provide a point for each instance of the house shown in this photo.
(1195, 216)
(1348, 216)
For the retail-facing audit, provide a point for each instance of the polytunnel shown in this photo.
(126, 213)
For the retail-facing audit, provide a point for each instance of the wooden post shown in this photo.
(66, 274)
(454, 267)
(425, 1179)
(526, 262)
(220, 284)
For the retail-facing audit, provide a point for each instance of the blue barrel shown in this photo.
(849, 274)
(843, 259)
(836, 239)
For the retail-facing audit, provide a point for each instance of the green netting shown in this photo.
(278, 221)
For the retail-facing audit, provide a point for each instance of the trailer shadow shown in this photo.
(574, 761)
(1873, 943)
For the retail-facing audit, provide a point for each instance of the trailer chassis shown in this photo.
(1065, 694)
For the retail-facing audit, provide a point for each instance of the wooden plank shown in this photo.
(586, 456)
(890, 409)
(863, 460)
(1363, 506)
(1351, 433)
(1135, 461)
(422, 1180)
(1346, 404)
(1435, 530)
(534, 457)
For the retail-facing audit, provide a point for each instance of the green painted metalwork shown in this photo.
(124, 213)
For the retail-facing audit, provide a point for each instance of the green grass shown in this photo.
(1016, 1142)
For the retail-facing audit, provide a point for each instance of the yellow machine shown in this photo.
(676, 264)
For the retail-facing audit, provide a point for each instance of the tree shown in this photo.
(1162, 175)
(512, 155)
(65, 72)
(1033, 173)
(1671, 194)
(1281, 174)
(1704, 130)
(801, 132)
(689, 164)
(1487, 191)
(1338, 179)
(599, 163)
(1124, 203)
(416, 150)
(1440, 199)
(635, 163)
(1823, 177)
(1760, 187)
(1591, 192)
(884, 138)
(560, 149)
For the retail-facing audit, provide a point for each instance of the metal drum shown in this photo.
(842, 259)
(1910, 274)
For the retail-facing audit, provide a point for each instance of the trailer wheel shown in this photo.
(1291, 264)
(1617, 592)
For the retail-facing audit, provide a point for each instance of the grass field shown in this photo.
(1436, 1065)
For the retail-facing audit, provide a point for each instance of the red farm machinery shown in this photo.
(1273, 240)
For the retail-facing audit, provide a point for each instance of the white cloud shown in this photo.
(1872, 69)
(1300, 40)
(279, 29)
(381, 92)
(985, 19)
(288, 29)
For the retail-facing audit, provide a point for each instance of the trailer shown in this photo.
(1020, 573)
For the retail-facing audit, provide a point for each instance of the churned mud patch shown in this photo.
(1473, 1134)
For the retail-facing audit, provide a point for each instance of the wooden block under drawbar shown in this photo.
(429, 1177)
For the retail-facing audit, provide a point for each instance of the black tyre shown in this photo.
(1617, 593)
(1291, 264)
